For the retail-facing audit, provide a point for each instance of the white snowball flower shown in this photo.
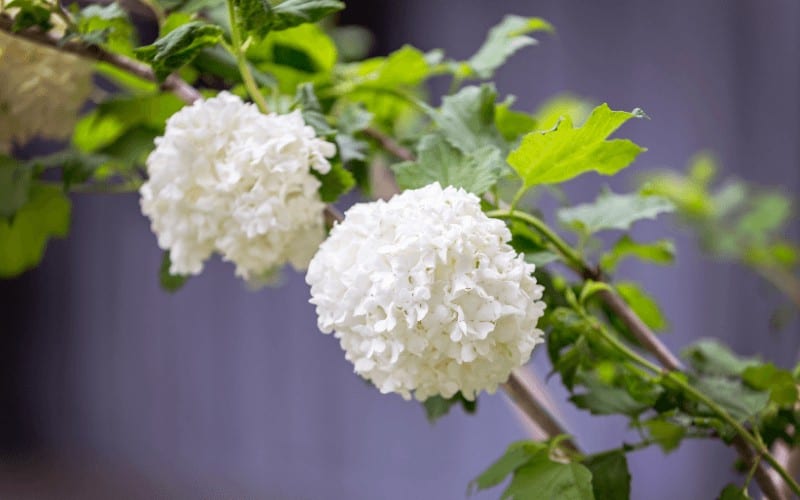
(41, 91)
(227, 178)
(426, 295)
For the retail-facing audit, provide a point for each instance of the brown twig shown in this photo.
(173, 83)
(389, 144)
(525, 399)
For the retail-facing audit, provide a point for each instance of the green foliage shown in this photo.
(510, 123)
(767, 377)
(734, 221)
(610, 476)
(438, 161)
(15, 185)
(467, 119)
(406, 67)
(169, 282)
(742, 403)
(542, 477)
(104, 25)
(503, 41)
(622, 394)
(122, 129)
(613, 211)
(436, 406)
(668, 435)
(534, 474)
(76, 166)
(335, 183)
(566, 151)
(32, 13)
(466, 150)
(643, 305)
(709, 357)
(254, 16)
(733, 492)
(659, 252)
(291, 13)
(23, 237)
(179, 47)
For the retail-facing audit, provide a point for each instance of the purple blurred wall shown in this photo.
(220, 392)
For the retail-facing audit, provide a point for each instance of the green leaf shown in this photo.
(353, 118)
(113, 118)
(335, 183)
(291, 13)
(712, 358)
(105, 25)
(667, 434)
(15, 184)
(541, 477)
(592, 287)
(566, 152)
(436, 406)
(541, 259)
(660, 252)
(311, 109)
(768, 213)
(76, 166)
(174, 21)
(351, 149)
(170, 282)
(741, 402)
(406, 67)
(467, 119)
(32, 13)
(614, 211)
(768, 377)
(643, 305)
(179, 47)
(517, 454)
(440, 162)
(610, 476)
(503, 41)
(510, 123)
(254, 16)
(601, 398)
(24, 237)
(733, 492)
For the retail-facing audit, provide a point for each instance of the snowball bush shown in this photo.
(426, 295)
(41, 91)
(227, 178)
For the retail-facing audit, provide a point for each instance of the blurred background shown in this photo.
(111, 387)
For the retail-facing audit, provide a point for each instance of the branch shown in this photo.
(646, 337)
(521, 394)
(389, 144)
(173, 83)
(528, 402)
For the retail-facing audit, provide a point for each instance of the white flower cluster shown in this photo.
(426, 295)
(227, 178)
(41, 91)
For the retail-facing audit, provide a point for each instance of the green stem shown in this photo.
(241, 61)
(572, 257)
(751, 473)
(517, 196)
(676, 379)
